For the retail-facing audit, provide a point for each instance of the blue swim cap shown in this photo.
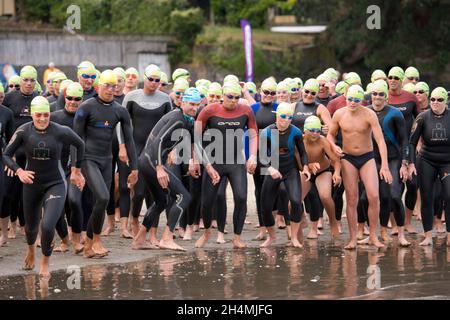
(192, 95)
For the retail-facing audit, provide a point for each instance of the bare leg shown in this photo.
(64, 246)
(124, 229)
(97, 246)
(12, 230)
(30, 258)
(394, 230)
(385, 235)
(188, 233)
(401, 237)
(438, 225)
(408, 226)
(77, 246)
(135, 226)
(313, 231)
(350, 177)
(43, 272)
(428, 241)
(261, 235)
(153, 240)
(220, 238)
(167, 241)
(294, 238)
(110, 226)
(272, 237)
(139, 240)
(4, 226)
(237, 243)
(200, 243)
(323, 183)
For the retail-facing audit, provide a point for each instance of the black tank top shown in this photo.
(302, 111)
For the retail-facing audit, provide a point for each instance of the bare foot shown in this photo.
(62, 248)
(220, 238)
(448, 240)
(3, 239)
(108, 230)
(260, 237)
(375, 242)
(439, 226)
(312, 234)
(238, 244)
(394, 231)
(247, 221)
(12, 232)
(384, 235)
(351, 245)
(426, 242)
(366, 231)
(360, 235)
(267, 243)
(77, 247)
(319, 232)
(188, 233)
(403, 242)
(43, 270)
(320, 224)
(214, 224)
(99, 249)
(335, 231)
(125, 234)
(280, 222)
(29, 261)
(143, 246)
(203, 239)
(339, 225)
(170, 245)
(196, 228)
(134, 226)
(296, 243)
(410, 229)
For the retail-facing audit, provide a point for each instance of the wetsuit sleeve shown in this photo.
(9, 130)
(298, 140)
(156, 147)
(77, 145)
(416, 133)
(252, 132)
(79, 123)
(128, 105)
(400, 127)
(199, 127)
(167, 107)
(14, 144)
(127, 130)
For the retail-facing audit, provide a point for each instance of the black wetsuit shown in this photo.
(6, 132)
(324, 101)
(48, 190)
(19, 103)
(284, 148)
(159, 144)
(95, 122)
(433, 161)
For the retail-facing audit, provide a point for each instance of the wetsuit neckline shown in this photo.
(40, 131)
(103, 101)
(384, 106)
(438, 115)
(68, 113)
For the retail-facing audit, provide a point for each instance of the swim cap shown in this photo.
(355, 91)
(409, 87)
(311, 85)
(192, 95)
(341, 86)
(332, 74)
(423, 86)
(269, 84)
(203, 90)
(152, 70)
(85, 67)
(97, 78)
(282, 86)
(202, 82)
(59, 76)
(440, 92)
(74, 89)
(119, 72)
(299, 81)
(369, 88)
(353, 78)
(292, 84)
(397, 72)
(180, 84)
(411, 72)
(1, 88)
(380, 86)
(180, 73)
(38, 88)
(164, 79)
(39, 104)
(323, 77)
(230, 78)
(285, 108)
(64, 84)
(215, 88)
(14, 80)
(312, 122)
(378, 74)
(251, 87)
(28, 72)
(108, 77)
(232, 88)
(132, 70)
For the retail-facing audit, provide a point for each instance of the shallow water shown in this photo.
(319, 271)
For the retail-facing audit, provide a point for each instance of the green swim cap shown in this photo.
(251, 87)
(232, 88)
(28, 72)
(59, 76)
(410, 87)
(440, 92)
(292, 84)
(119, 72)
(230, 78)
(299, 81)
(85, 67)
(311, 85)
(14, 80)
(180, 73)
(39, 104)
(64, 84)
(97, 78)
(332, 74)
(152, 70)
(38, 88)
(353, 78)
(108, 77)
(215, 88)
(411, 72)
(323, 77)
(202, 82)
(164, 78)
(423, 86)
(269, 84)
(74, 89)
(369, 88)
(285, 108)
(181, 84)
(397, 72)
(203, 90)
(355, 91)
(2, 90)
(132, 70)
(378, 74)
(282, 86)
(341, 86)
(380, 86)
(312, 122)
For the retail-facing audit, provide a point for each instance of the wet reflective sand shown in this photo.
(321, 270)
